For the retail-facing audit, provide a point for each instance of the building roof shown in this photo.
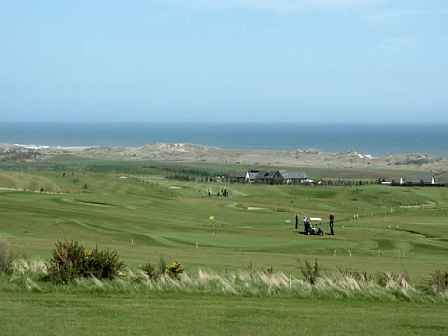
(417, 178)
(273, 174)
(264, 175)
(237, 174)
(294, 175)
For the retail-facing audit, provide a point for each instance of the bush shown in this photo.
(439, 281)
(5, 257)
(104, 264)
(150, 271)
(310, 272)
(71, 261)
(174, 270)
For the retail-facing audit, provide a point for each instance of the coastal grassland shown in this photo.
(137, 209)
(146, 215)
(73, 163)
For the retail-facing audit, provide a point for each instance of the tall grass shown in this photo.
(75, 268)
(4, 256)
(381, 287)
(439, 281)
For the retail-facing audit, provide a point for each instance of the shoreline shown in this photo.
(377, 140)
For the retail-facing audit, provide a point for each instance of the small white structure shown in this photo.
(414, 180)
(251, 175)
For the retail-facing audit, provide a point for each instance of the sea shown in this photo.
(368, 139)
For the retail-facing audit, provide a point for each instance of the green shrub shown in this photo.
(174, 270)
(310, 272)
(5, 257)
(71, 261)
(68, 262)
(151, 271)
(103, 264)
(439, 281)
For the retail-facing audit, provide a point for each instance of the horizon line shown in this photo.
(363, 123)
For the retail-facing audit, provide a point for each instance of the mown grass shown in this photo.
(143, 217)
(403, 230)
(195, 314)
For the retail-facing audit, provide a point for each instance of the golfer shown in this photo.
(332, 224)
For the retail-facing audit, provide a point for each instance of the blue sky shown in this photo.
(224, 60)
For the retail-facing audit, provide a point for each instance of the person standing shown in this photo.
(307, 225)
(297, 222)
(332, 224)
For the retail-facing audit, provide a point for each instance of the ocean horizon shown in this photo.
(367, 138)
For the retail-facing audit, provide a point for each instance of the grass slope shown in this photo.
(146, 216)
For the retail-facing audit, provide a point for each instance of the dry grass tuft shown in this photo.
(342, 285)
